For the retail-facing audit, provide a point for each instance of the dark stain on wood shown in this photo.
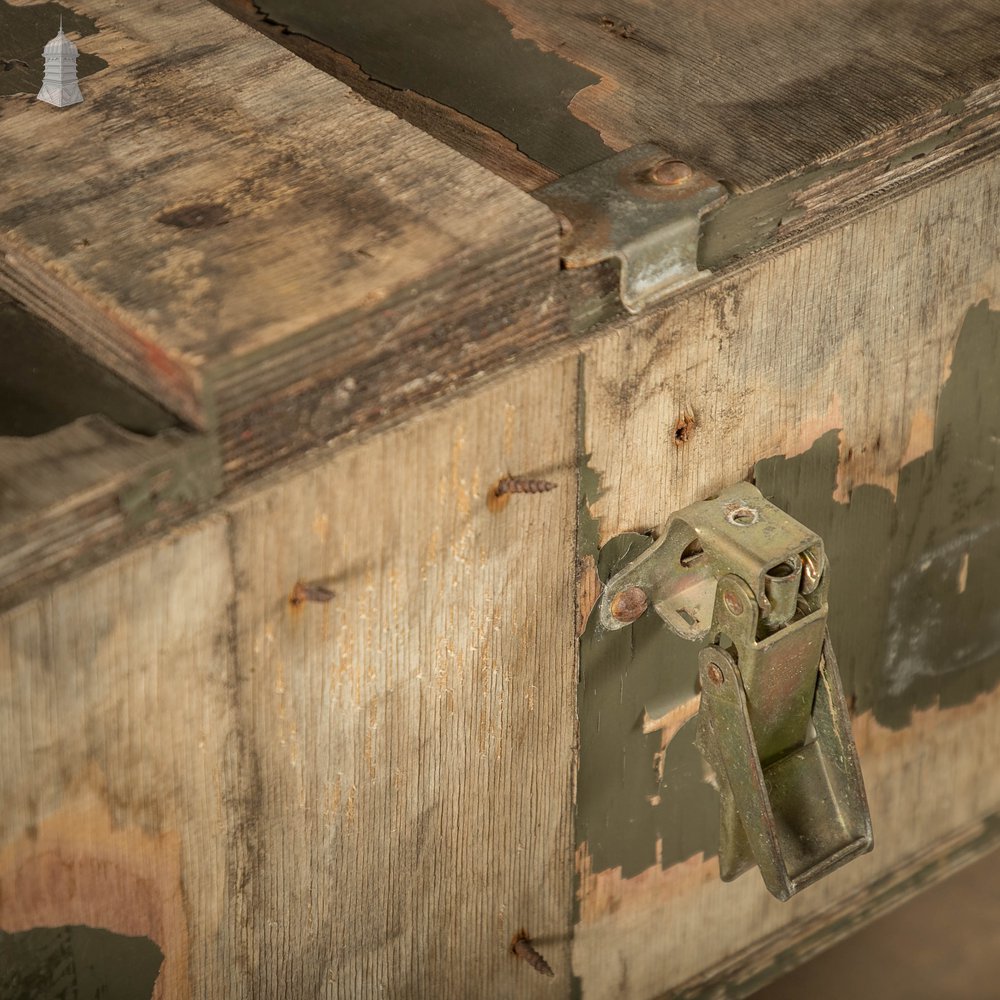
(79, 962)
(201, 215)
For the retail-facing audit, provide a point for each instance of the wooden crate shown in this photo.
(355, 325)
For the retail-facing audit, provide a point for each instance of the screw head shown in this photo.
(733, 602)
(667, 173)
(714, 674)
(629, 604)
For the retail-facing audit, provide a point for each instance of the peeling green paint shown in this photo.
(624, 675)
(913, 612)
(454, 54)
(913, 616)
(77, 963)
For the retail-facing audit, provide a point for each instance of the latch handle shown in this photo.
(773, 722)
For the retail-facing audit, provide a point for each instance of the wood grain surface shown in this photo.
(214, 199)
(327, 799)
(750, 94)
(375, 793)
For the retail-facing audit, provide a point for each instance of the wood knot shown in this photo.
(199, 215)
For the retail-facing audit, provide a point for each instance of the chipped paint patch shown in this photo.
(913, 617)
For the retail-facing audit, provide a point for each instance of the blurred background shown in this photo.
(942, 945)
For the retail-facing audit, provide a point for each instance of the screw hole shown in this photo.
(742, 516)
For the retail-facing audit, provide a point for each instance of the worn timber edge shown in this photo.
(325, 392)
(334, 400)
(755, 967)
(71, 497)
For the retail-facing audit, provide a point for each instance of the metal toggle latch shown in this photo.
(773, 724)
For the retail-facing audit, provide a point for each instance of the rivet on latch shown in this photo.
(629, 605)
(670, 172)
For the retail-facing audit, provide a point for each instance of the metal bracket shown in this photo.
(773, 723)
(642, 208)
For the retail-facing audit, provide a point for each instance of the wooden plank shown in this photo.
(413, 738)
(749, 94)
(231, 207)
(117, 698)
(81, 489)
(879, 333)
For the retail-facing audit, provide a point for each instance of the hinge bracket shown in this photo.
(642, 208)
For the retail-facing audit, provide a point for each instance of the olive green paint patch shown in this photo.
(913, 610)
(77, 963)
(913, 617)
(454, 54)
(623, 807)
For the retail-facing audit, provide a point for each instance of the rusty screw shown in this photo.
(519, 484)
(303, 592)
(667, 173)
(714, 674)
(629, 604)
(733, 602)
(524, 949)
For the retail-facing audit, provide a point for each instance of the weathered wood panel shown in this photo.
(412, 739)
(118, 694)
(751, 94)
(880, 333)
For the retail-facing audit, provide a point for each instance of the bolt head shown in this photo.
(629, 604)
(733, 602)
(714, 674)
(668, 173)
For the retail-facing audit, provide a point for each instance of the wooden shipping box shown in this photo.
(288, 317)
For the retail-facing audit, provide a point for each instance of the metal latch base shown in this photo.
(773, 723)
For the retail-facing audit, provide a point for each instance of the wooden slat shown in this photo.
(412, 739)
(335, 799)
(214, 198)
(117, 699)
(81, 489)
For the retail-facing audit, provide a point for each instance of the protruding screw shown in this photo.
(520, 484)
(714, 674)
(733, 602)
(303, 592)
(667, 173)
(629, 605)
(524, 949)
